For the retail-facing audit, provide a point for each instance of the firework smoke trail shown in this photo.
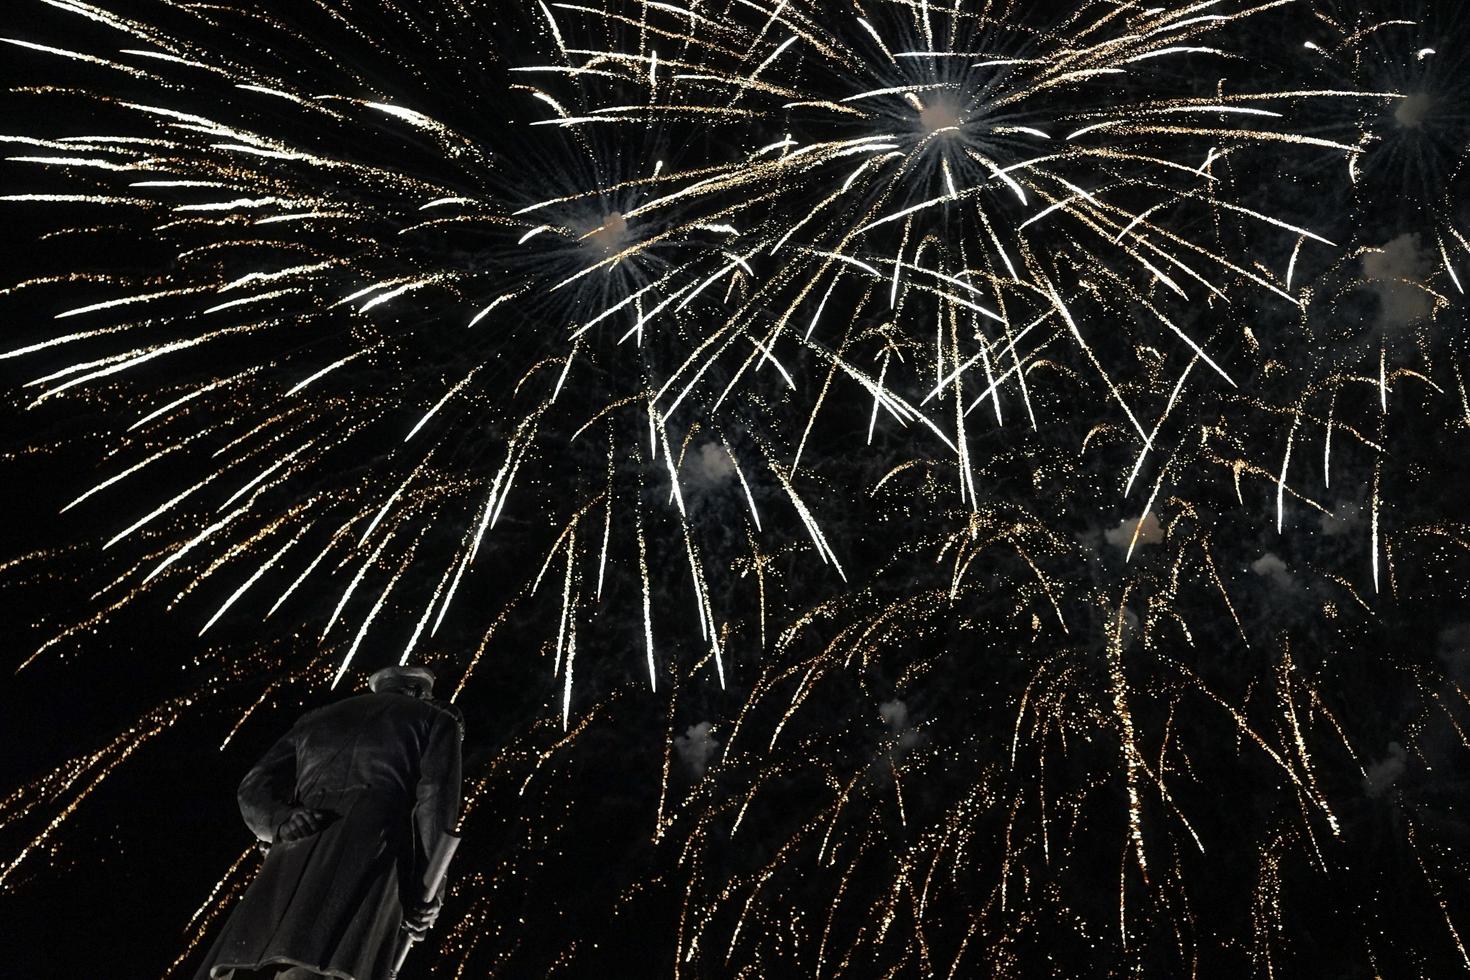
(386, 365)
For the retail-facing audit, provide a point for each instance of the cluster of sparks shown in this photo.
(656, 316)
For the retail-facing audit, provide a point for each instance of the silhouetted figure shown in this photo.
(352, 801)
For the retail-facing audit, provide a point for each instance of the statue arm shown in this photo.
(268, 790)
(436, 807)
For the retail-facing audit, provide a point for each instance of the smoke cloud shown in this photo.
(1383, 774)
(1394, 273)
(1270, 566)
(1121, 537)
(695, 747)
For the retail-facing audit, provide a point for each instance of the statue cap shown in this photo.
(396, 675)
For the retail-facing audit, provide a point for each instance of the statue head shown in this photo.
(416, 682)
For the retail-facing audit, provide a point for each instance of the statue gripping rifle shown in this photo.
(358, 803)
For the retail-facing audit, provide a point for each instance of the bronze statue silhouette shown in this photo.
(353, 801)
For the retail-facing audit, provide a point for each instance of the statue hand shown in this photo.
(303, 822)
(419, 917)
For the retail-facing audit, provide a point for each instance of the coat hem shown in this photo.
(217, 971)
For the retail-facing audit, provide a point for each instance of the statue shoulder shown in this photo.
(452, 710)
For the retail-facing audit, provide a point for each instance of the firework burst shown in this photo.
(646, 327)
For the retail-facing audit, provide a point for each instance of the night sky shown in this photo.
(896, 490)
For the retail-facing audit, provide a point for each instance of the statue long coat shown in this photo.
(387, 766)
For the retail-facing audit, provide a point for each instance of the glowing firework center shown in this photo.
(609, 238)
